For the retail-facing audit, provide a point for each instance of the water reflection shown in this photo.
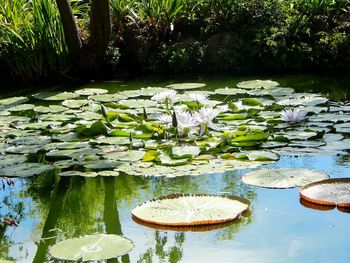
(72, 207)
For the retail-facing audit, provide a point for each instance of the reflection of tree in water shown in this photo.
(12, 211)
(162, 251)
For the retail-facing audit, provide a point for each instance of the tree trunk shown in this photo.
(100, 26)
(71, 30)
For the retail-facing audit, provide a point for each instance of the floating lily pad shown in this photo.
(185, 152)
(283, 178)
(90, 91)
(138, 103)
(92, 248)
(187, 210)
(11, 159)
(131, 155)
(255, 84)
(55, 96)
(74, 104)
(303, 100)
(181, 86)
(50, 109)
(343, 127)
(77, 173)
(108, 97)
(331, 192)
(25, 170)
(229, 91)
(22, 107)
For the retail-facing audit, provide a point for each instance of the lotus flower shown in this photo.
(168, 97)
(185, 121)
(205, 117)
(199, 97)
(293, 115)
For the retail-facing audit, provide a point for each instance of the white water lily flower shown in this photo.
(167, 96)
(293, 115)
(185, 122)
(199, 97)
(165, 118)
(205, 117)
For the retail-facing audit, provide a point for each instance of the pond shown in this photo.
(279, 227)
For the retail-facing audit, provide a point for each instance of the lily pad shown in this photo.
(52, 96)
(187, 210)
(77, 173)
(331, 192)
(283, 178)
(50, 109)
(255, 84)
(74, 104)
(25, 170)
(92, 248)
(181, 86)
(90, 91)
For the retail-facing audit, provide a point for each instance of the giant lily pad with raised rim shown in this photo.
(283, 178)
(92, 248)
(189, 210)
(330, 192)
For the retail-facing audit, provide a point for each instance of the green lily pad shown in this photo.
(74, 104)
(185, 152)
(139, 103)
(342, 127)
(256, 84)
(92, 248)
(70, 153)
(55, 96)
(251, 137)
(303, 100)
(102, 165)
(178, 209)
(259, 155)
(230, 91)
(90, 91)
(49, 109)
(25, 169)
(107, 97)
(130, 156)
(22, 107)
(77, 173)
(13, 101)
(283, 178)
(186, 86)
(11, 159)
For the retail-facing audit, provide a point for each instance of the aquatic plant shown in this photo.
(185, 121)
(204, 117)
(293, 115)
(168, 97)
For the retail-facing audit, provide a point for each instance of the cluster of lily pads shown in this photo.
(169, 131)
(179, 130)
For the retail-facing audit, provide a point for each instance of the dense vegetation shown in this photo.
(162, 36)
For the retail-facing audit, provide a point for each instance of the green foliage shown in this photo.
(183, 36)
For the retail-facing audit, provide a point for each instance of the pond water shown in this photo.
(279, 228)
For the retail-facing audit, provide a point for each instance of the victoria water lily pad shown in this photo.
(283, 178)
(187, 210)
(329, 192)
(92, 248)
(186, 86)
